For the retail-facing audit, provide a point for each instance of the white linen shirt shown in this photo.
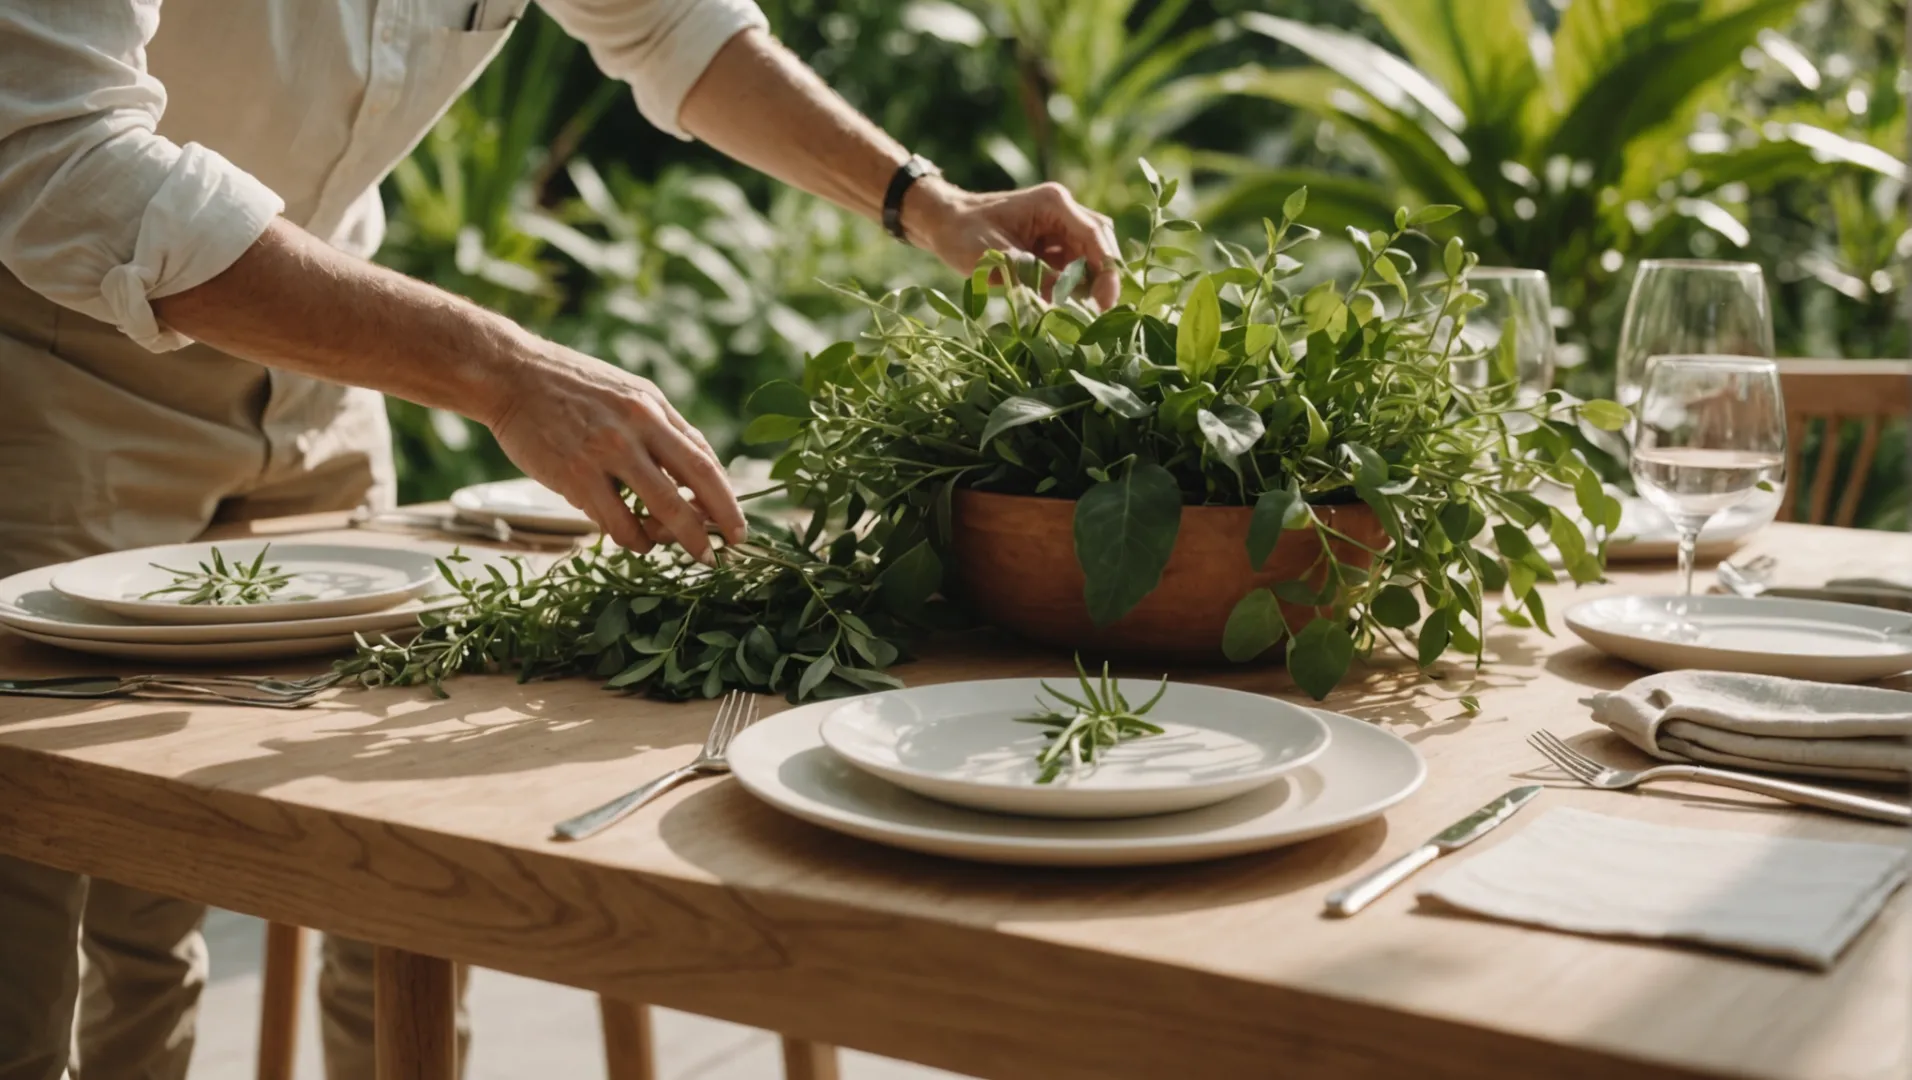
(141, 155)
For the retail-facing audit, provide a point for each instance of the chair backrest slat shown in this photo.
(1826, 395)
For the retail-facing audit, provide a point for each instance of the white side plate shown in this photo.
(341, 579)
(521, 504)
(1365, 770)
(209, 652)
(1795, 639)
(28, 602)
(962, 743)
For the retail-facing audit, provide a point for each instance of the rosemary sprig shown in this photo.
(1096, 722)
(770, 616)
(220, 583)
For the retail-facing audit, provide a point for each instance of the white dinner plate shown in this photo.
(1795, 639)
(1647, 535)
(962, 743)
(521, 504)
(337, 579)
(28, 602)
(205, 652)
(1365, 770)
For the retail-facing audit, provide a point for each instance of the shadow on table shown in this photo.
(1584, 665)
(725, 831)
(410, 740)
(104, 731)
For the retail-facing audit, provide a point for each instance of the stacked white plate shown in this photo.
(1794, 639)
(950, 770)
(524, 505)
(105, 605)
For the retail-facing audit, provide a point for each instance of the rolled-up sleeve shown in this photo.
(97, 211)
(660, 47)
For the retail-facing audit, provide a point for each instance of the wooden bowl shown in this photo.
(1015, 557)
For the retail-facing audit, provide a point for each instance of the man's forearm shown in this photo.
(294, 303)
(759, 104)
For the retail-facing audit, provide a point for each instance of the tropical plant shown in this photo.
(1571, 153)
(1223, 387)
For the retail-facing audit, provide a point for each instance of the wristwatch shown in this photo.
(907, 174)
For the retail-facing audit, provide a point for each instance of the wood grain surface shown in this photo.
(424, 823)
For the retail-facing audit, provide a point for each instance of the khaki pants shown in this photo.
(104, 446)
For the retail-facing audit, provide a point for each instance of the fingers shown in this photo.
(667, 508)
(606, 507)
(699, 471)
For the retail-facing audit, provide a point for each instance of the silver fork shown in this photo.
(738, 711)
(1596, 775)
(1748, 579)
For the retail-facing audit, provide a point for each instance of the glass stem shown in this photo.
(1689, 550)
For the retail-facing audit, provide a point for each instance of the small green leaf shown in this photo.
(1462, 521)
(637, 672)
(1015, 412)
(1294, 204)
(1470, 705)
(1317, 428)
(1370, 469)
(1114, 397)
(1069, 280)
(1605, 415)
(1254, 626)
(1390, 273)
(1435, 634)
(1395, 606)
(1125, 530)
(1427, 215)
(1452, 257)
(1199, 332)
(1231, 430)
(1276, 511)
(1319, 655)
(908, 582)
(814, 675)
(772, 428)
(1149, 174)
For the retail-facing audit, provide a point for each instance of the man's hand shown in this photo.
(582, 427)
(1042, 223)
(762, 106)
(578, 425)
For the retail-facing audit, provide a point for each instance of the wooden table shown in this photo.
(422, 824)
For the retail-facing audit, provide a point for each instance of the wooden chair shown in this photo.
(629, 1052)
(1830, 396)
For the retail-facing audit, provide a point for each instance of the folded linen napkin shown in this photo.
(1799, 901)
(1765, 722)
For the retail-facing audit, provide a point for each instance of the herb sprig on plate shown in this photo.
(1097, 721)
(222, 583)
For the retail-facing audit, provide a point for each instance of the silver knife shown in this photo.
(1352, 898)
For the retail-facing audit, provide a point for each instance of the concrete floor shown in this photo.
(520, 1028)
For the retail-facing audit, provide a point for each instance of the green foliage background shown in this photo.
(1762, 129)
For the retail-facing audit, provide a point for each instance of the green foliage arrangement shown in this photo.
(1229, 386)
(220, 583)
(771, 616)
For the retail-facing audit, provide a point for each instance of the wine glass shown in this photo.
(1709, 431)
(1518, 302)
(1690, 307)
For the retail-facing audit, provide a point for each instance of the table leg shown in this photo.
(806, 1060)
(415, 1023)
(629, 1052)
(283, 980)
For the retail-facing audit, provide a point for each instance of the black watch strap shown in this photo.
(907, 174)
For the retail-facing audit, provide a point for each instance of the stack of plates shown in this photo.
(102, 605)
(523, 505)
(950, 771)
